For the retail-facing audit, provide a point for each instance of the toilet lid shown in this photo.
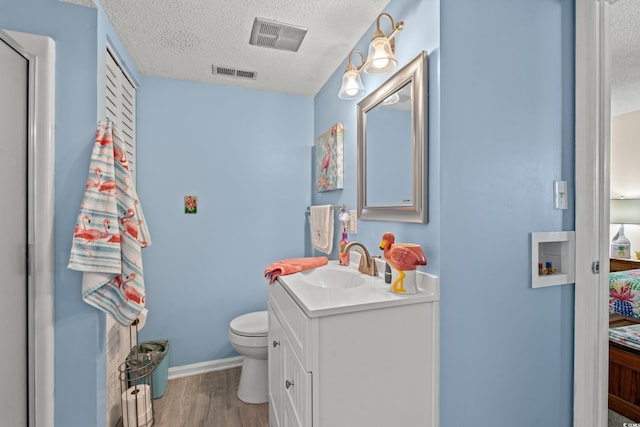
(251, 324)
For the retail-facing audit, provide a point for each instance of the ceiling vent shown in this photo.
(233, 72)
(276, 35)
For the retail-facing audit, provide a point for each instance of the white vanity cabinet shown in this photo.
(352, 365)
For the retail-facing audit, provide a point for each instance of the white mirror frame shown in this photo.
(415, 72)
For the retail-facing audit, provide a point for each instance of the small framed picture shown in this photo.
(190, 204)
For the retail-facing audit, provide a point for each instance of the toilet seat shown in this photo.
(254, 324)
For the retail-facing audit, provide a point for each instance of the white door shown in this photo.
(14, 78)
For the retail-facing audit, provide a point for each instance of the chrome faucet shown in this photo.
(367, 263)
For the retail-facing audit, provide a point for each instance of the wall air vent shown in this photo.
(217, 70)
(276, 35)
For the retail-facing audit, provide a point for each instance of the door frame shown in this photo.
(40, 50)
(592, 142)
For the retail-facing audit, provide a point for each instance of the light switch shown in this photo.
(353, 222)
(560, 195)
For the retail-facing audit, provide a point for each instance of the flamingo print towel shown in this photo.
(110, 232)
(292, 265)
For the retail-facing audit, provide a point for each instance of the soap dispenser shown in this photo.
(344, 220)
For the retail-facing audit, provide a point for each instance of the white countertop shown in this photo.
(374, 293)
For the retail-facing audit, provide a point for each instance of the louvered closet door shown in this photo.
(121, 107)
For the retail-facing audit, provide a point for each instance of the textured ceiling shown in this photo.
(182, 39)
(625, 56)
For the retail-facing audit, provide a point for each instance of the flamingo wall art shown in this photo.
(330, 159)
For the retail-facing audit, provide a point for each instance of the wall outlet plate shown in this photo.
(560, 195)
(353, 222)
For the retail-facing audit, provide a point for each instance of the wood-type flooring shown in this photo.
(208, 400)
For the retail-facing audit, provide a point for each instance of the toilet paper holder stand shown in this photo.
(136, 385)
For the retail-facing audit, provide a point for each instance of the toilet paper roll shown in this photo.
(136, 406)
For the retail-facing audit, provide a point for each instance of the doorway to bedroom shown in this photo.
(624, 232)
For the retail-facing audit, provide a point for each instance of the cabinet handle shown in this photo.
(288, 384)
(276, 343)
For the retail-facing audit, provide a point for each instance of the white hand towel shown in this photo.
(321, 220)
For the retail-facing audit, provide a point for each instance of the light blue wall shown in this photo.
(245, 154)
(507, 133)
(501, 130)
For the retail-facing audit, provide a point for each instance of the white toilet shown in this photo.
(248, 336)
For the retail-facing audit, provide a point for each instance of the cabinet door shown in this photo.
(275, 370)
(289, 417)
(296, 388)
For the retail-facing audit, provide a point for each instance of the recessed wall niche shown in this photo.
(552, 258)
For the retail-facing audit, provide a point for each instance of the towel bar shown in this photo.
(334, 207)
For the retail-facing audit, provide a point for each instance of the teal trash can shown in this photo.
(158, 353)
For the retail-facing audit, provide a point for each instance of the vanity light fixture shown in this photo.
(351, 82)
(382, 49)
(381, 59)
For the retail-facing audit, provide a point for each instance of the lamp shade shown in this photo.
(352, 86)
(625, 211)
(381, 58)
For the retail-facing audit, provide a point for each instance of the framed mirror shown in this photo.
(392, 147)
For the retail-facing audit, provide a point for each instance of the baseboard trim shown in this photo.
(204, 367)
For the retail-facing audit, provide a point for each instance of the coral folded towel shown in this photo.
(292, 265)
(110, 232)
(321, 220)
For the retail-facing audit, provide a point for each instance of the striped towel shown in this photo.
(110, 233)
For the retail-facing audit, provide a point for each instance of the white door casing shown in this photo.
(592, 212)
(40, 217)
(14, 104)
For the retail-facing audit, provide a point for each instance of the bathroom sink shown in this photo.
(332, 276)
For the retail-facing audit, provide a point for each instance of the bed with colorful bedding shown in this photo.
(624, 293)
(624, 343)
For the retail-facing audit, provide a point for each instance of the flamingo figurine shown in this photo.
(402, 257)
